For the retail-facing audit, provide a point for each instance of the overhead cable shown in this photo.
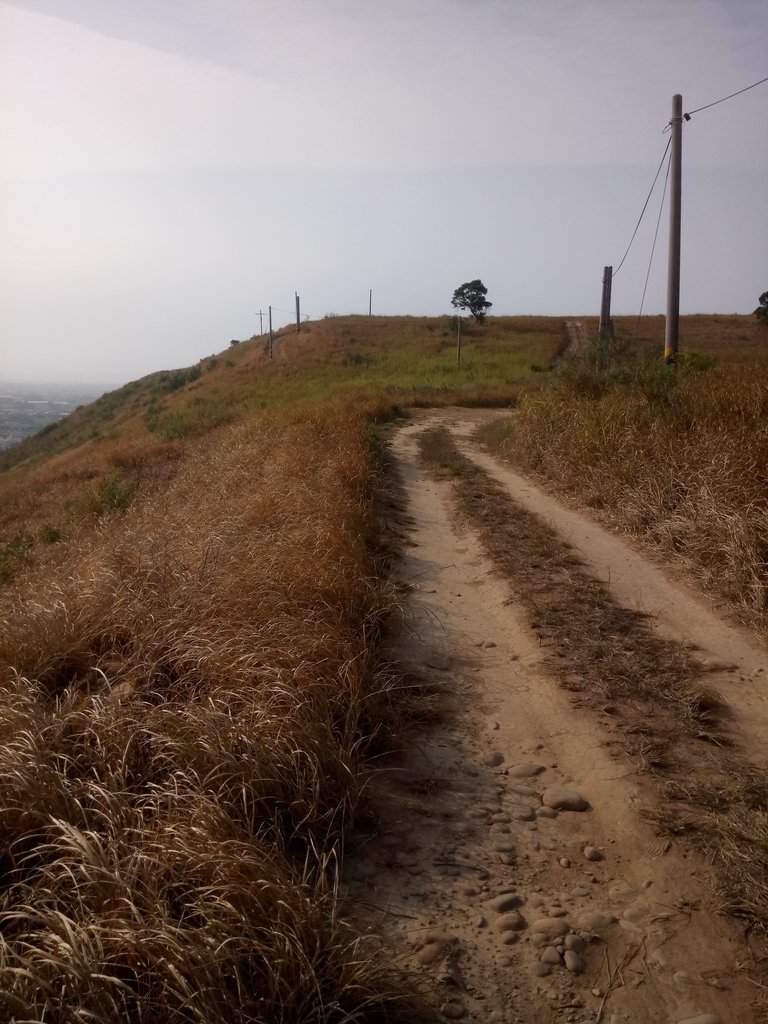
(730, 97)
(645, 206)
(655, 237)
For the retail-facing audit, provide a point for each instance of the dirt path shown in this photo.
(511, 907)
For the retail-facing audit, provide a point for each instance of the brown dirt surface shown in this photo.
(507, 907)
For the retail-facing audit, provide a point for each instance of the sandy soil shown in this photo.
(510, 907)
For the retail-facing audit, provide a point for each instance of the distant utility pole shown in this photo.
(261, 323)
(270, 332)
(673, 272)
(370, 300)
(458, 340)
(298, 311)
(604, 331)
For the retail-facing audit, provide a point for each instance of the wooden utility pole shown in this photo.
(261, 323)
(298, 311)
(370, 300)
(604, 331)
(605, 306)
(458, 340)
(673, 272)
(270, 332)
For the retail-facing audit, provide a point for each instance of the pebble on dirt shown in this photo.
(564, 799)
(505, 901)
(552, 927)
(510, 922)
(551, 956)
(573, 962)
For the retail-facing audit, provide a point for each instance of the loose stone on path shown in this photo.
(505, 901)
(551, 927)
(563, 799)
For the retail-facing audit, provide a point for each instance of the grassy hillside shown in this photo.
(406, 358)
(192, 594)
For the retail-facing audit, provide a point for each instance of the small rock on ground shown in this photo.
(564, 799)
(505, 901)
(552, 927)
(573, 962)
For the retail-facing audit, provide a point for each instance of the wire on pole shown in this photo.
(653, 247)
(645, 206)
(724, 98)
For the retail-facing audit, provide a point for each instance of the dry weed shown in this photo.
(679, 462)
(189, 691)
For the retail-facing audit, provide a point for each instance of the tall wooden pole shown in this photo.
(270, 332)
(370, 300)
(298, 311)
(604, 331)
(605, 305)
(261, 323)
(673, 272)
(458, 340)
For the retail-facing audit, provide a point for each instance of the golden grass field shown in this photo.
(192, 595)
(676, 458)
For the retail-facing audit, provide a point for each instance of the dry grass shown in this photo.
(190, 689)
(728, 818)
(678, 461)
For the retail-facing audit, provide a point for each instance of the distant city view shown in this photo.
(27, 408)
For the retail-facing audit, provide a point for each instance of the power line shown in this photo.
(738, 93)
(645, 206)
(653, 247)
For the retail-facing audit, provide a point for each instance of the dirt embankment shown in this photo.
(515, 863)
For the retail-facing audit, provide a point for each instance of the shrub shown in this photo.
(12, 553)
(112, 494)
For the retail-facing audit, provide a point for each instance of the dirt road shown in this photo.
(514, 864)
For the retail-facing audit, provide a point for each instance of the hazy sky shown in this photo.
(170, 167)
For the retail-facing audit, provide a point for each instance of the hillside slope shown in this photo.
(195, 579)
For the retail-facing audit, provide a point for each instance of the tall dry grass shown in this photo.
(189, 690)
(679, 460)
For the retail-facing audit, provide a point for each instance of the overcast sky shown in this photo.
(170, 167)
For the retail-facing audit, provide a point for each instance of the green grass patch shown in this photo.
(12, 555)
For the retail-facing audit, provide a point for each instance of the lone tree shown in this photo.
(471, 296)
(762, 310)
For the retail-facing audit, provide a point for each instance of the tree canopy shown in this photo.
(471, 296)
(762, 310)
